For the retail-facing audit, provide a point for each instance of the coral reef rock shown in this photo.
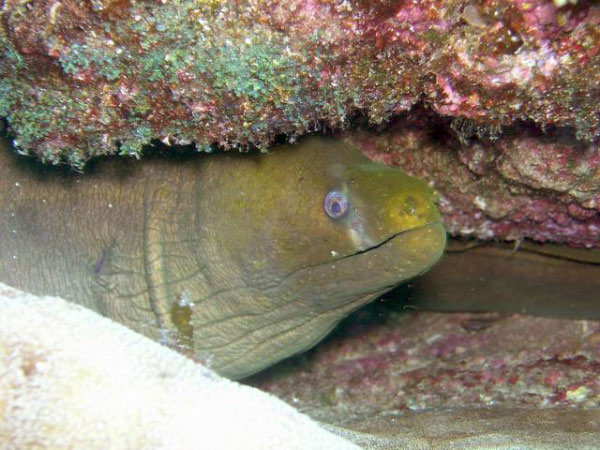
(440, 380)
(524, 184)
(80, 78)
(70, 378)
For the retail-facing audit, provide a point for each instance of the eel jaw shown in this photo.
(383, 242)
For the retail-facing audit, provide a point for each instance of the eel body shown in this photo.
(237, 260)
(538, 279)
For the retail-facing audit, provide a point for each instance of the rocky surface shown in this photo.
(525, 184)
(407, 362)
(70, 379)
(474, 380)
(100, 76)
(479, 429)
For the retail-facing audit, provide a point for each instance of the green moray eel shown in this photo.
(529, 278)
(238, 260)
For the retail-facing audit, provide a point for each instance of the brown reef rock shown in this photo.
(80, 78)
(524, 184)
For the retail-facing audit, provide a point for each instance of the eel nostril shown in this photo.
(410, 205)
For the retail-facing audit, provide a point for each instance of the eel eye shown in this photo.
(336, 204)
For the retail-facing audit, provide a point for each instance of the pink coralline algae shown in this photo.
(81, 78)
(524, 184)
(423, 361)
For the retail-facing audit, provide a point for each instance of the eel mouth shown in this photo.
(434, 225)
(370, 272)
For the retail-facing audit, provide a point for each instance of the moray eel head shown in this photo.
(319, 231)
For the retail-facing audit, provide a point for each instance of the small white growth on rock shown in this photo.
(561, 3)
(480, 202)
(578, 395)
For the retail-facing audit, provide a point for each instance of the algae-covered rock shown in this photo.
(81, 78)
(527, 183)
(422, 361)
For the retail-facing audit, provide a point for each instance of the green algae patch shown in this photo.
(238, 74)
